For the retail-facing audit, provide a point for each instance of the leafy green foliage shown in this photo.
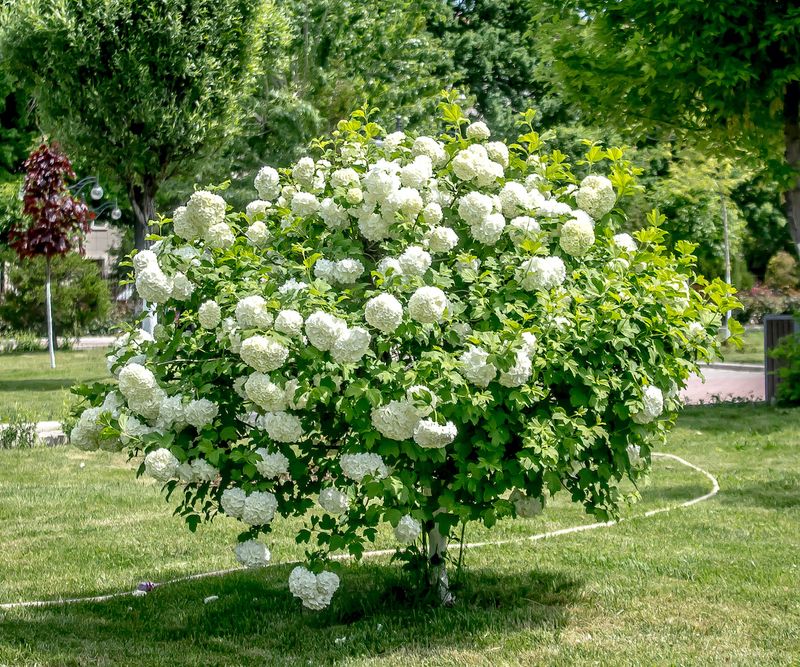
(81, 296)
(788, 352)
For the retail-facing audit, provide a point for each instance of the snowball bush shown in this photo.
(418, 332)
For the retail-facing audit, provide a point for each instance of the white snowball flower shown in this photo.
(200, 413)
(251, 313)
(526, 506)
(144, 259)
(468, 163)
(272, 464)
(182, 287)
(232, 502)
(389, 266)
(252, 553)
(417, 173)
(304, 204)
(382, 179)
(259, 508)
(220, 236)
(478, 131)
(314, 590)
(407, 530)
(263, 353)
(295, 403)
(427, 305)
(325, 269)
(344, 178)
(625, 242)
(292, 286)
(257, 233)
(351, 346)
(289, 322)
(414, 261)
(282, 426)
(431, 148)
(522, 228)
(432, 435)
(333, 501)
(324, 329)
(529, 343)
(171, 414)
(475, 207)
(303, 172)
(432, 213)
(514, 199)
(541, 273)
(184, 226)
(476, 368)
(396, 420)
(153, 285)
(203, 471)
(257, 207)
(133, 429)
(347, 271)
(384, 312)
(393, 141)
(268, 183)
(203, 210)
(373, 227)
(596, 196)
(86, 433)
(333, 215)
(161, 465)
(520, 372)
(354, 196)
(358, 466)
(137, 383)
(653, 400)
(498, 152)
(406, 201)
(577, 236)
(441, 239)
(209, 314)
(267, 395)
(489, 230)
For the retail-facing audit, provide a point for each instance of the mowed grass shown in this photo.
(752, 350)
(29, 387)
(715, 583)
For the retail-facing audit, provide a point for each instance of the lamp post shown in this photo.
(724, 332)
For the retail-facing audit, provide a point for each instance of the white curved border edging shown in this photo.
(389, 552)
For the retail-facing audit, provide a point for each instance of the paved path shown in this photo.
(724, 385)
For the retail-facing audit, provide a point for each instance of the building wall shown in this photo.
(100, 243)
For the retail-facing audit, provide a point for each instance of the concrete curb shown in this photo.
(743, 368)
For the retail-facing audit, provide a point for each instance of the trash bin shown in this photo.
(775, 328)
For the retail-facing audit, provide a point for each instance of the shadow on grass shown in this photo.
(776, 493)
(36, 385)
(257, 621)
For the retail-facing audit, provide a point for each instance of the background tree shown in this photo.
(140, 89)
(57, 219)
(728, 72)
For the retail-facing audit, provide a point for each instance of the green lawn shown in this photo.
(715, 583)
(752, 351)
(29, 386)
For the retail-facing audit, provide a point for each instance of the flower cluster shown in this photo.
(403, 330)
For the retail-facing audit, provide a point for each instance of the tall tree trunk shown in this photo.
(143, 202)
(791, 134)
(48, 305)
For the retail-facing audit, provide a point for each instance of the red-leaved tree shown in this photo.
(55, 221)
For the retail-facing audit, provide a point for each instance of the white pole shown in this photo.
(49, 310)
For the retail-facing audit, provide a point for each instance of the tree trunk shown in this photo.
(437, 552)
(143, 202)
(791, 134)
(49, 310)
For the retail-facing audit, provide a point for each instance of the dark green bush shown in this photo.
(788, 351)
(80, 296)
(782, 272)
(760, 301)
